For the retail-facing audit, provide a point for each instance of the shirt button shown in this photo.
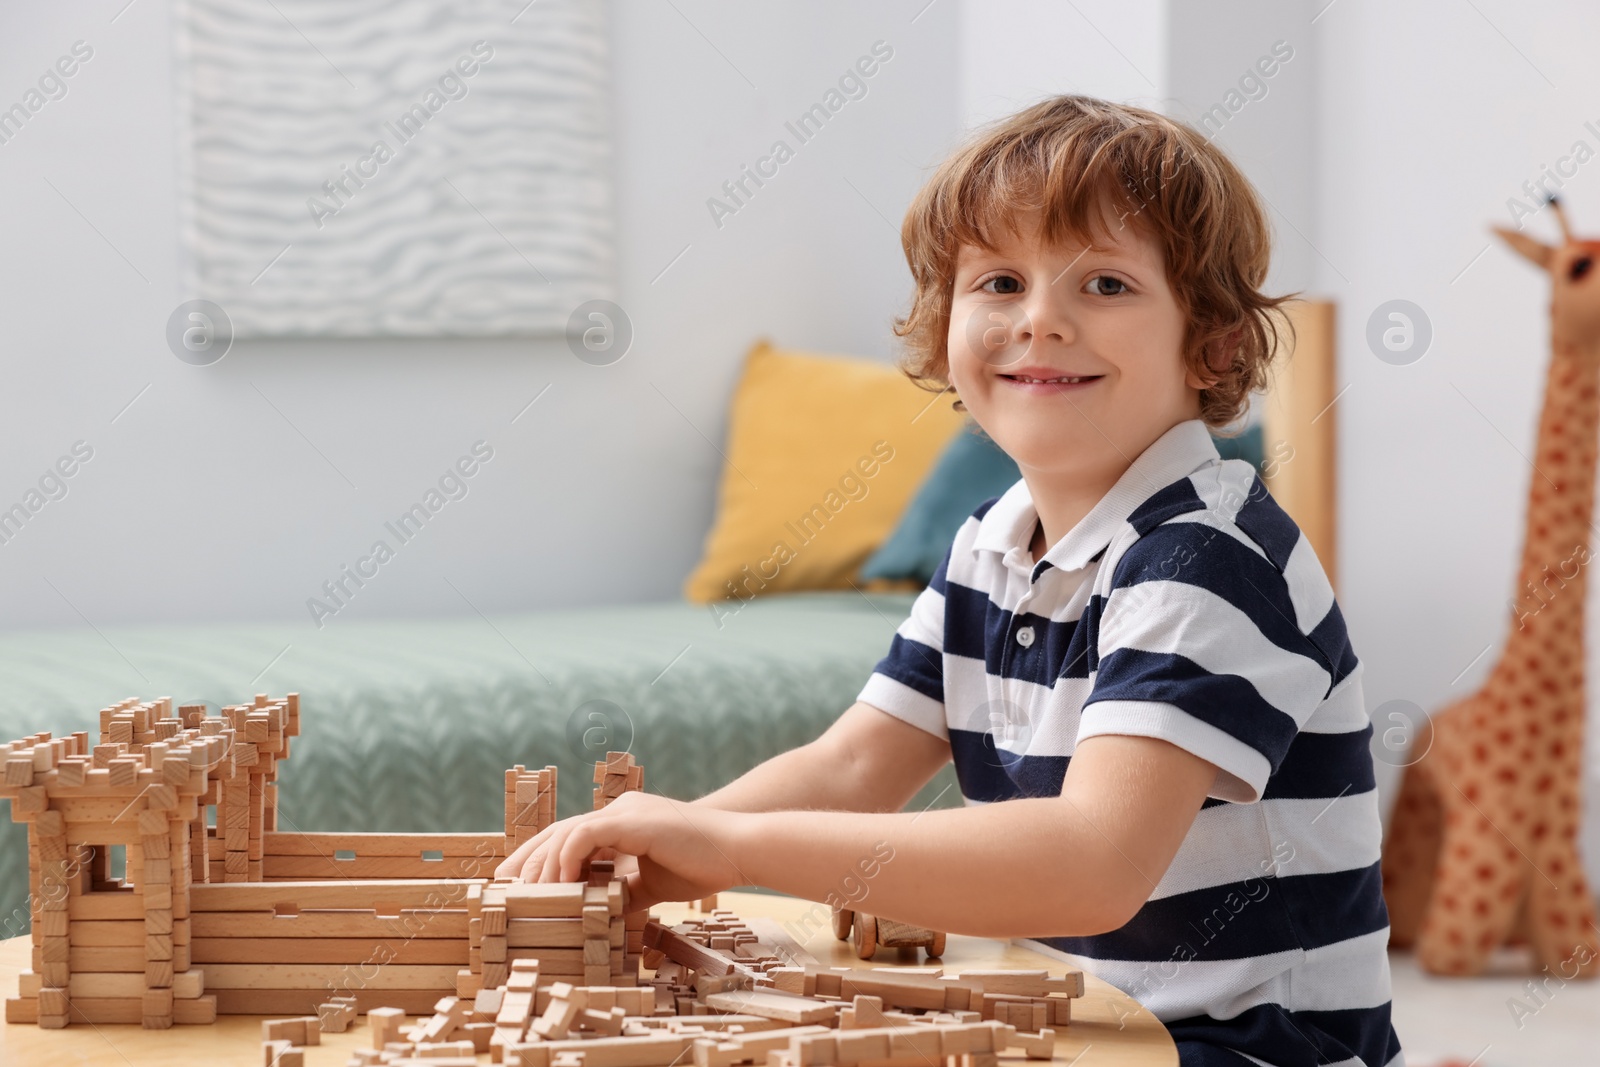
(1025, 637)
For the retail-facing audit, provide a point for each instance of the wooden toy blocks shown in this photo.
(530, 803)
(385, 1025)
(137, 794)
(615, 775)
(335, 1016)
(208, 914)
(305, 1030)
(231, 915)
(449, 1015)
(279, 1053)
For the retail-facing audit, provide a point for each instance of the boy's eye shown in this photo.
(1003, 280)
(1095, 284)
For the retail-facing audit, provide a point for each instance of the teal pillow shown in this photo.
(1248, 446)
(971, 469)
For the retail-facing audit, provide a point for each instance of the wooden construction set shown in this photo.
(720, 994)
(219, 911)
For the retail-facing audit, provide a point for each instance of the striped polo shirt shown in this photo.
(1187, 606)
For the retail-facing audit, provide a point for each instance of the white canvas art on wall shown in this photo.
(395, 168)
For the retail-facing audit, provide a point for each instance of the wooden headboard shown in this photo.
(1299, 424)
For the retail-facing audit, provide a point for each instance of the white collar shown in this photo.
(1009, 523)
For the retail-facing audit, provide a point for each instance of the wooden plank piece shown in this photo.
(772, 1004)
(409, 924)
(550, 900)
(408, 893)
(323, 977)
(354, 950)
(285, 843)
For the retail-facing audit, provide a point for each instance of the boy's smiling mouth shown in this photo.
(1041, 380)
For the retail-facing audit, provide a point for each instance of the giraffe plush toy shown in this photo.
(1482, 844)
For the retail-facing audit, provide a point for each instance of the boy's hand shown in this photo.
(677, 851)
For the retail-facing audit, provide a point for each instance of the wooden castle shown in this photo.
(219, 911)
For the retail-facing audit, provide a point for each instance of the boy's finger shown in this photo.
(571, 853)
(510, 866)
(550, 869)
(634, 894)
(518, 860)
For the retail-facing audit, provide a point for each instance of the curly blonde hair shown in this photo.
(1069, 158)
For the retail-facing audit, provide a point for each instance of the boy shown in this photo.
(1133, 657)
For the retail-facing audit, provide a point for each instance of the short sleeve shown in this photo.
(1197, 645)
(908, 682)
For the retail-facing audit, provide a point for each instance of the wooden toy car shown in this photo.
(866, 933)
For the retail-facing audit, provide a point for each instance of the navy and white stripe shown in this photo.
(1185, 606)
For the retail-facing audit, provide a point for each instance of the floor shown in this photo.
(1497, 1020)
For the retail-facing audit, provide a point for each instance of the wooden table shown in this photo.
(1109, 1028)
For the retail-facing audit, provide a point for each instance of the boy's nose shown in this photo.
(1041, 318)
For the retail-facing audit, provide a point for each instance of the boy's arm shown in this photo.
(868, 760)
(1076, 864)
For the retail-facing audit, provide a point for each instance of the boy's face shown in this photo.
(1028, 310)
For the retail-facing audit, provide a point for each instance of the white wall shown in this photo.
(203, 502)
(1265, 122)
(1013, 54)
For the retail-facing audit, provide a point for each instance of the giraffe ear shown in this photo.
(1536, 252)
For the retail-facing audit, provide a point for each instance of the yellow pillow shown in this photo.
(824, 453)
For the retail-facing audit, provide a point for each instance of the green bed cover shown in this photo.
(410, 725)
